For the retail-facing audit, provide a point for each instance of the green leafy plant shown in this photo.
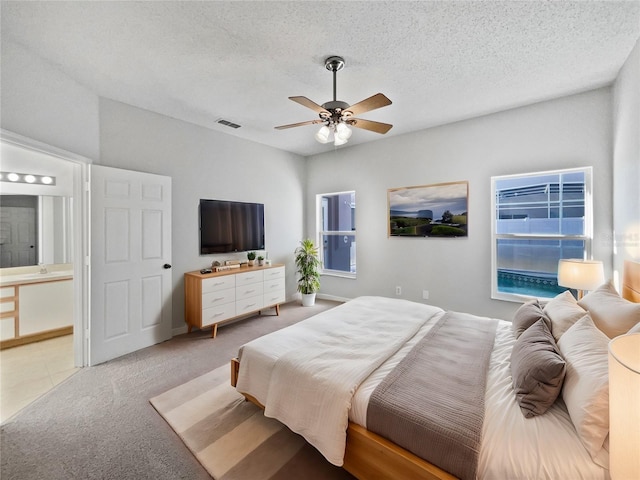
(307, 267)
(251, 255)
(260, 258)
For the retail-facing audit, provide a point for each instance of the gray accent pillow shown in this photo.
(537, 369)
(528, 314)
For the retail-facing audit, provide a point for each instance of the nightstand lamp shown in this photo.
(580, 274)
(624, 411)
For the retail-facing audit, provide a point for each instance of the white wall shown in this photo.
(626, 162)
(207, 164)
(568, 132)
(42, 103)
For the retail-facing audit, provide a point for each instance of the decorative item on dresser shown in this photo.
(217, 297)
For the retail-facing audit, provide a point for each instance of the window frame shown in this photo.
(586, 237)
(320, 232)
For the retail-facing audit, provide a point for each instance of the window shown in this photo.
(336, 216)
(538, 219)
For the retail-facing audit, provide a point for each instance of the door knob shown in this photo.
(166, 265)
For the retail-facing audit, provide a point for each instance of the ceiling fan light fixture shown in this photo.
(323, 134)
(337, 116)
(343, 131)
(339, 140)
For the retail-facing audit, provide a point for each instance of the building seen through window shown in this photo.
(538, 220)
(337, 232)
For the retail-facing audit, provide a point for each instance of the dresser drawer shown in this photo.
(247, 291)
(249, 277)
(272, 298)
(218, 283)
(218, 297)
(249, 305)
(218, 314)
(273, 285)
(271, 273)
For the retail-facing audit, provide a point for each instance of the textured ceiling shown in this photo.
(438, 61)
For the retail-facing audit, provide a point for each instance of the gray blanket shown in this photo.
(432, 403)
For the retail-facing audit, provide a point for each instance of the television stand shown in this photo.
(211, 299)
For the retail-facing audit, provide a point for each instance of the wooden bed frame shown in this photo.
(369, 456)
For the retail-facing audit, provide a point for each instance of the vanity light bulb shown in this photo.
(14, 177)
(29, 178)
(46, 180)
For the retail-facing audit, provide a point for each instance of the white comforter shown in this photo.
(327, 366)
(513, 447)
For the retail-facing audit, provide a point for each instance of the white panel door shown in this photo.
(17, 236)
(130, 261)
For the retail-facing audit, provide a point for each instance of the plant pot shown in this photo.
(251, 263)
(260, 263)
(308, 299)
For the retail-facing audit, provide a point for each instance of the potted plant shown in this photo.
(260, 260)
(307, 266)
(251, 256)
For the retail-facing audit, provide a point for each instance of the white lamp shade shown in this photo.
(339, 140)
(343, 131)
(624, 407)
(323, 134)
(580, 274)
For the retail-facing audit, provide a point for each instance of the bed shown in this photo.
(331, 408)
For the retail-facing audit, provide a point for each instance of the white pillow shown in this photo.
(586, 386)
(610, 312)
(635, 329)
(563, 311)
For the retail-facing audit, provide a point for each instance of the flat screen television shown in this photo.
(227, 226)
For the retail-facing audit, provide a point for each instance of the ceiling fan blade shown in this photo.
(310, 122)
(377, 127)
(376, 101)
(305, 102)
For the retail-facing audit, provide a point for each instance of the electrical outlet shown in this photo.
(398, 290)
(425, 294)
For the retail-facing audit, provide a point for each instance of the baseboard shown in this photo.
(334, 298)
(36, 337)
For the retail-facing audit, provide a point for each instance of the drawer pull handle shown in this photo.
(217, 299)
(218, 314)
(249, 291)
(251, 305)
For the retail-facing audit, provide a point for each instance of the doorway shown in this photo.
(24, 155)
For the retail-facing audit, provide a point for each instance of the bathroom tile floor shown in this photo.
(29, 371)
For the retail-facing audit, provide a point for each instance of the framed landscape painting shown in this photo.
(438, 210)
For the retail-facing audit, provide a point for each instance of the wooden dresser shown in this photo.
(214, 298)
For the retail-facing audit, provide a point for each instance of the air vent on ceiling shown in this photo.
(227, 123)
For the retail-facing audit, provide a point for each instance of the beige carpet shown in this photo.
(232, 439)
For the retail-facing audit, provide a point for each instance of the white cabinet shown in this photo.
(211, 299)
(35, 307)
(274, 290)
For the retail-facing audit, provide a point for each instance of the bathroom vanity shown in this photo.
(35, 306)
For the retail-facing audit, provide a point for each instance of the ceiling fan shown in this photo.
(337, 116)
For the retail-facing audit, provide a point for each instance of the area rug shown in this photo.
(231, 437)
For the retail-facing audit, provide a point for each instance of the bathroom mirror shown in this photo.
(35, 229)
